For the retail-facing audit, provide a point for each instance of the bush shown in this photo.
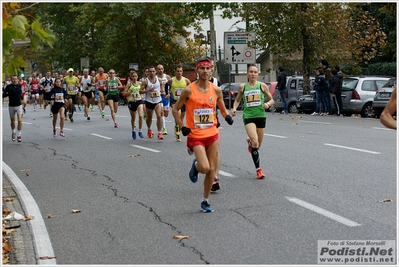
(385, 68)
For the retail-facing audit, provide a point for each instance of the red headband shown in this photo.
(204, 63)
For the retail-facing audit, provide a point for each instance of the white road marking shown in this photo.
(57, 127)
(323, 212)
(226, 174)
(26, 122)
(146, 148)
(278, 136)
(352, 148)
(381, 128)
(41, 238)
(317, 122)
(102, 136)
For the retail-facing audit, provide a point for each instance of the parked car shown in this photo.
(358, 94)
(382, 96)
(272, 87)
(295, 90)
(230, 91)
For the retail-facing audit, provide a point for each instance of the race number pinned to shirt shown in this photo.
(178, 92)
(155, 94)
(203, 118)
(71, 90)
(252, 98)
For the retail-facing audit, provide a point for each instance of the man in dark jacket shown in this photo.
(328, 77)
(282, 88)
(336, 90)
(14, 93)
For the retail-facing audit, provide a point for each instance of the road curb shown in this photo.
(40, 238)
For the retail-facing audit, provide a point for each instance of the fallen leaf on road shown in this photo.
(24, 170)
(181, 237)
(48, 216)
(7, 247)
(7, 186)
(134, 155)
(6, 212)
(47, 257)
(8, 199)
(386, 200)
(76, 211)
(29, 217)
(26, 174)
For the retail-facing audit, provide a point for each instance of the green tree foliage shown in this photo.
(113, 35)
(16, 27)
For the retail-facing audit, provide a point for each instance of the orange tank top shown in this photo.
(100, 81)
(200, 112)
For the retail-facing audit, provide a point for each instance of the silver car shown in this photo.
(382, 96)
(358, 94)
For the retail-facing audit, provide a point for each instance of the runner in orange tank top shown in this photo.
(200, 98)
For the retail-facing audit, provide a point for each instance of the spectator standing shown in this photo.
(336, 90)
(318, 85)
(282, 87)
(327, 94)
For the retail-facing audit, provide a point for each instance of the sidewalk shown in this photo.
(31, 241)
(20, 239)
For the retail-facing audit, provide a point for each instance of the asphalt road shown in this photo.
(325, 180)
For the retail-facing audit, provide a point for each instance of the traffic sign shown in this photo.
(236, 50)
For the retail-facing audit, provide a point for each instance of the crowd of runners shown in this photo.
(153, 93)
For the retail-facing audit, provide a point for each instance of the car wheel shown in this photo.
(292, 108)
(368, 111)
(240, 106)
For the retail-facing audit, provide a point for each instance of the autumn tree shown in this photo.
(16, 27)
(312, 31)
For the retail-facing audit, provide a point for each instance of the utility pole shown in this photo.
(212, 39)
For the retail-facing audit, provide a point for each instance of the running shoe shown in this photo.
(85, 114)
(164, 131)
(102, 113)
(215, 185)
(51, 115)
(193, 172)
(24, 111)
(150, 134)
(45, 106)
(314, 113)
(80, 109)
(134, 135)
(13, 137)
(74, 109)
(88, 118)
(71, 119)
(91, 107)
(160, 136)
(62, 134)
(115, 125)
(54, 133)
(206, 207)
(70, 115)
(141, 135)
(259, 173)
(19, 138)
(178, 139)
(190, 151)
(249, 145)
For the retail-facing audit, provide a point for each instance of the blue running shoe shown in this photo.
(141, 135)
(206, 207)
(134, 135)
(193, 173)
(80, 109)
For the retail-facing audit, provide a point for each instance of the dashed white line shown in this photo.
(352, 148)
(146, 148)
(381, 128)
(317, 122)
(67, 129)
(226, 174)
(102, 136)
(278, 136)
(323, 212)
(26, 122)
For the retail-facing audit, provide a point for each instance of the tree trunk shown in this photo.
(212, 40)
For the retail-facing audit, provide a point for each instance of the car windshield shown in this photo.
(349, 84)
(390, 83)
